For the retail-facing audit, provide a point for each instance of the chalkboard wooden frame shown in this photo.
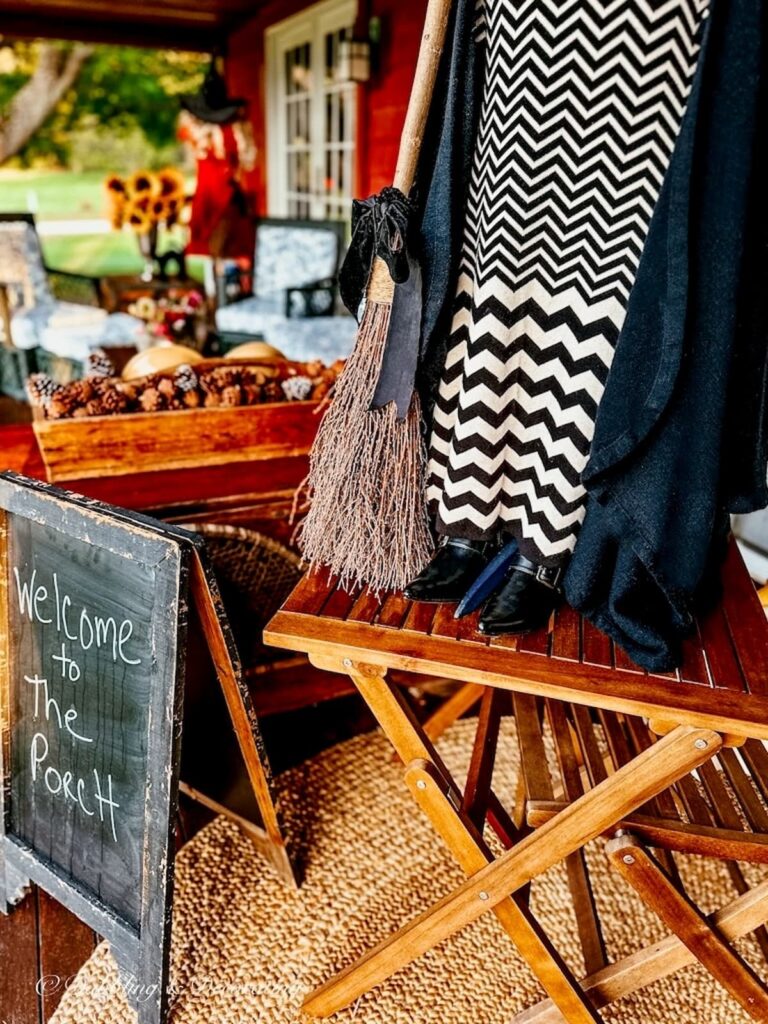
(182, 572)
(269, 840)
(142, 955)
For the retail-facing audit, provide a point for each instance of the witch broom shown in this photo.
(368, 521)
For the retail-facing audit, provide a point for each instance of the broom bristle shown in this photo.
(368, 518)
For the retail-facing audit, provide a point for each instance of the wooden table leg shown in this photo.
(635, 864)
(651, 772)
(439, 796)
(470, 850)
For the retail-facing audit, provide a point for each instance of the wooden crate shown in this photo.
(146, 442)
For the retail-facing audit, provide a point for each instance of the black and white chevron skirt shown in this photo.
(583, 102)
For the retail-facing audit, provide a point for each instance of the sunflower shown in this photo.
(172, 207)
(137, 217)
(114, 184)
(158, 210)
(142, 183)
(170, 183)
(115, 210)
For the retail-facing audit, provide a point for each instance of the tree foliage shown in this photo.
(118, 89)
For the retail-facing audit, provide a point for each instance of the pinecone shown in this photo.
(185, 378)
(79, 392)
(95, 407)
(232, 395)
(313, 368)
(129, 389)
(151, 400)
(212, 400)
(58, 408)
(98, 364)
(220, 378)
(209, 384)
(166, 387)
(100, 385)
(297, 389)
(114, 401)
(41, 389)
(251, 394)
(190, 399)
(272, 392)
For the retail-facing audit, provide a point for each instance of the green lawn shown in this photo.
(93, 254)
(66, 195)
(52, 195)
(99, 255)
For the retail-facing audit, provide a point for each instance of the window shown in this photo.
(310, 115)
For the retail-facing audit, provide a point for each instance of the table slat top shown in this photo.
(722, 682)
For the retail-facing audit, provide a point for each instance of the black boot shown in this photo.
(525, 600)
(455, 565)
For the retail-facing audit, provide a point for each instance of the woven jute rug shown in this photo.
(246, 950)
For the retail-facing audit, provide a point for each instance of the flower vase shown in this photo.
(148, 249)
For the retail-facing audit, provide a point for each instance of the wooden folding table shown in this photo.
(718, 697)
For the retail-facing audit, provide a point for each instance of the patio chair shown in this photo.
(46, 310)
(719, 811)
(294, 300)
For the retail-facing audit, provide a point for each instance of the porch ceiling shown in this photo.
(166, 24)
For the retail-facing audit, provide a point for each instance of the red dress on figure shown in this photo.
(222, 208)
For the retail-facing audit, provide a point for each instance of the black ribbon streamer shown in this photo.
(397, 377)
(380, 226)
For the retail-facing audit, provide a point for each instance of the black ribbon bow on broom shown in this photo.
(381, 227)
(367, 520)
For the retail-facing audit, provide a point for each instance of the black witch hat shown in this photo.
(212, 103)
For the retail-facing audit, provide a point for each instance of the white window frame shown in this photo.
(308, 26)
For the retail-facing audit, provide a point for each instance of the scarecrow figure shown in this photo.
(213, 123)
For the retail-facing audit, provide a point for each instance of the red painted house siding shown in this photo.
(381, 102)
(386, 95)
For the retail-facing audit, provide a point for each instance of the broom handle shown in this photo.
(432, 40)
(381, 287)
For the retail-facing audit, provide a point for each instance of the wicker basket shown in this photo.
(255, 574)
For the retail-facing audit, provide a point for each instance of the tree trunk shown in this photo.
(56, 72)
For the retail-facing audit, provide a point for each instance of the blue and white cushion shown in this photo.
(302, 338)
(292, 257)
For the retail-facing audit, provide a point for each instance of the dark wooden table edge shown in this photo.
(594, 686)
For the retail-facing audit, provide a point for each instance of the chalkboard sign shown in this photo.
(93, 620)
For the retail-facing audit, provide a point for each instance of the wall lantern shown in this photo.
(354, 60)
